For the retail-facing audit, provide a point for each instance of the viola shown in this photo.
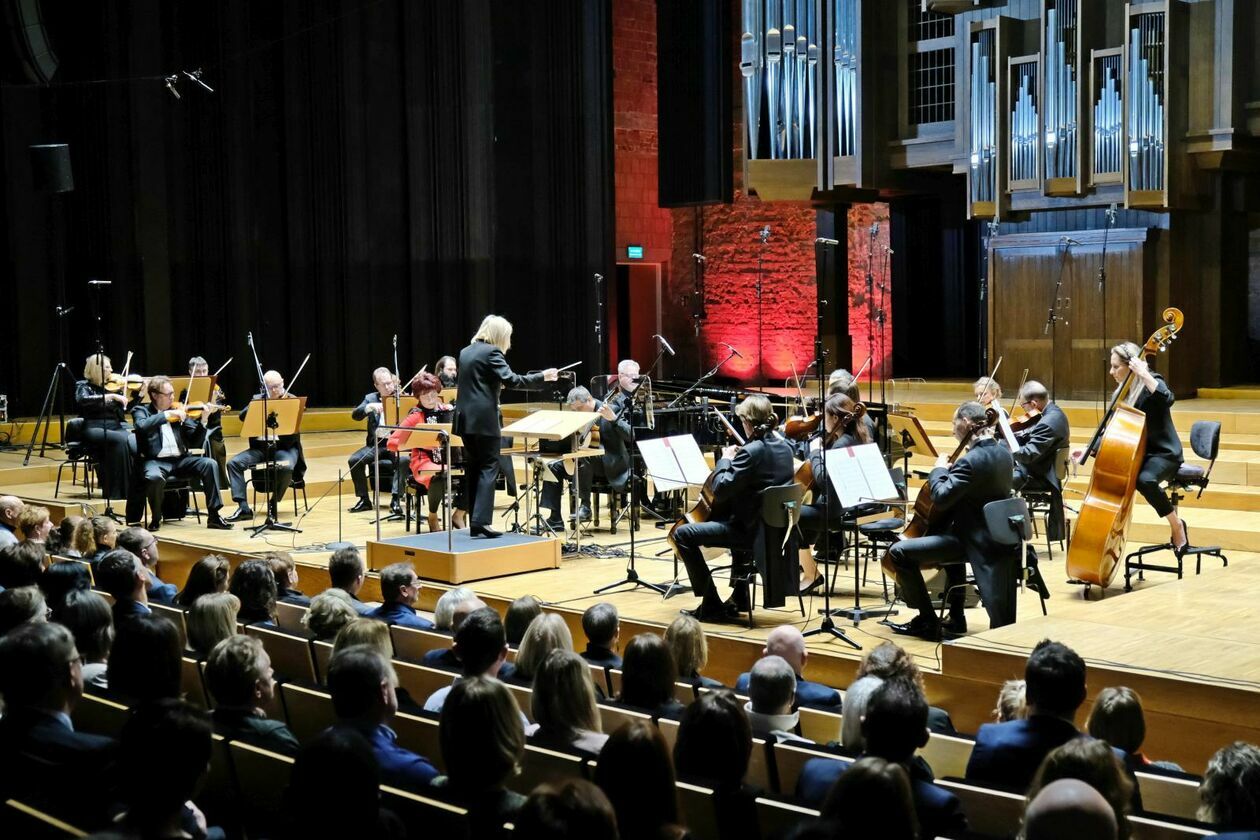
(1029, 420)
(195, 411)
(800, 428)
(130, 384)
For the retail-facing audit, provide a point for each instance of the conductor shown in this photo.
(483, 371)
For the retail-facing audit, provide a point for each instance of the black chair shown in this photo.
(78, 453)
(261, 478)
(1205, 441)
(411, 491)
(176, 497)
(1010, 525)
(618, 502)
(774, 550)
(1046, 502)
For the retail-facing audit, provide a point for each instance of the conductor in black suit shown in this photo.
(1035, 467)
(960, 491)
(163, 435)
(483, 371)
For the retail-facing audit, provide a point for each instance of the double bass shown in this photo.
(925, 513)
(1118, 447)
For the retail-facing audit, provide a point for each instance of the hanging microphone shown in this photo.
(664, 343)
(395, 341)
(1067, 240)
(732, 349)
(598, 277)
(765, 234)
(100, 282)
(699, 258)
(1111, 213)
(822, 240)
(874, 230)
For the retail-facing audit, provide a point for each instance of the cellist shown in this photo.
(960, 491)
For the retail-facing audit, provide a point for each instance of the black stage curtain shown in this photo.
(364, 168)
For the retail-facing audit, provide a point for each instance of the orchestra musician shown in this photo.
(842, 382)
(1151, 395)
(477, 420)
(104, 431)
(960, 491)
(427, 467)
(165, 434)
(288, 458)
(372, 408)
(989, 394)
(842, 429)
(613, 466)
(1038, 443)
(213, 422)
(737, 481)
(447, 371)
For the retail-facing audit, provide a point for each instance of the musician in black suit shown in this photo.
(960, 491)
(1150, 394)
(736, 483)
(613, 466)
(483, 371)
(1035, 467)
(164, 435)
(104, 430)
(214, 446)
(843, 428)
(372, 409)
(289, 461)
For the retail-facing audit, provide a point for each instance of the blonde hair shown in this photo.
(31, 517)
(986, 383)
(496, 330)
(211, 619)
(547, 632)
(564, 695)
(757, 410)
(1127, 351)
(685, 640)
(94, 368)
(330, 611)
(1012, 702)
(365, 631)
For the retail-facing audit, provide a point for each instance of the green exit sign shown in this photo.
(634, 252)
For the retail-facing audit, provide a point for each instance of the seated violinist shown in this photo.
(427, 465)
(372, 409)
(1038, 443)
(959, 492)
(989, 394)
(165, 434)
(843, 428)
(288, 457)
(842, 382)
(738, 479)
(103, 412)
(213, 421)
(613, 466)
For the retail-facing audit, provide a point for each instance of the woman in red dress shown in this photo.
(427, 467)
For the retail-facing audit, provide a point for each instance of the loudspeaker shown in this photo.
(34, 49)
(50, 168)
(693, 102)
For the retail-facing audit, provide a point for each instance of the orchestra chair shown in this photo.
(775, 546)
(78, 454)
(1009, 525)
(413, 491)
(618, 502)
(260, 481)
(1043, 502)
(1205, 440)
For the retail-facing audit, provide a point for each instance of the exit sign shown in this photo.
(634, 252)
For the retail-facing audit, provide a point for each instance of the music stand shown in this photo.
(429, 436)
(674, 463)
(860, 476)
(912, 436)
(549, 424)
(271, 419)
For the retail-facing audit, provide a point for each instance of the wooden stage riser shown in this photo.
(456, 567)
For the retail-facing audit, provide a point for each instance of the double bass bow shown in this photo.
(925, 513)
(1118, 447)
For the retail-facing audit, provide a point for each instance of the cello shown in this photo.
(1118, 447)
(925, 513)
(703, 511)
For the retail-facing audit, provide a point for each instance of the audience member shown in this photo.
(713, 749)
(10, 510)
(254, 583)
(889, 660)
(546, 633)
(144, 664)
(647, 677)
(207, 576)
(873, 799)
(64, 536)
(338, 766)
(162, 806)
(211, 620)
(1117, 718)
(786, 641)
(573, 809)
(517, 619)
(481, 649)
(772, 696)
(330, 610)
(104, 535)
(400, 589)
(145, 546)
(362, 683)
(34, 524)
(1069, 808)
(62, 578)
(636, 773)
(375, 634)
(1097, 765)
(285, 572)
(564, 706)
(602, 626)
(1012, 703)
(41, 755)
(483, 742)
(124, 577)
(452, 608)
(686, 641)
(86, 615)
(240, 679)
(21, 564)
(444, 610)
(1007, 755)
(855, 700)
(82, 539)
(347, 571)
(1229, 796)
(19, 606)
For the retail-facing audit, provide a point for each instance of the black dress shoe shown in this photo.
(217, 523)
(818, 581)
(395, 506)
(361, 505)
(154, 526)
(583, 514)
(715, 614)
(484, 531)
(924, 628)
(242, 512)
(956, 623)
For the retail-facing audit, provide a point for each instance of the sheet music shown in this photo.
(859, 475)
(674, 462)
(1004, 423)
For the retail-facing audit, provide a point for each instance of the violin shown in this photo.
(1029, 420)
(800, 428)
(805, 472)
(129, 385)
(703, 511)
(195, 411)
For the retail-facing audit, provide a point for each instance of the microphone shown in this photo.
(1067, 240)
(395, 341)
(699, 258)
(732, 349)
(100, 282)
(822, 240)
(664, 343)
(64, 310)
(598, 277)
(874, 230)
(1111, 213)
(765, 234)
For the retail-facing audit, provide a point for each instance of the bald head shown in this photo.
(786, 641)
(1034, 391)
(10, 507)
(1069, 808)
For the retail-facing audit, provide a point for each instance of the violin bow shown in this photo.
(301, 368)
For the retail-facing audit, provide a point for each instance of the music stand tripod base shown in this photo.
(272, 525)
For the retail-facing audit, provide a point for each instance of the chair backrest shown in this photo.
(760, 771)
(947, 755)
(263, 777)
(684, 693)
(542, 766)
(420, 681)
(290, 655)
(323, 652)
(289, 617)
(411, 644)
(1062, 463)
(438, 818)
(21, 820)
(614, 681)
(697, 806)
(191, 684)
(524, 698)
(599, 675)
(176, 615)
(781, 505)
(308, 712)
(218, 796)
(1205, 439)
(420, 735)
(1149, 828)
(1008, 521)
(669, 731)
(74, 430)
(99, 716)
(820, 726)
(777, 819)
(1170, 795)
(612, 718)
(789, 759)
(992, 813)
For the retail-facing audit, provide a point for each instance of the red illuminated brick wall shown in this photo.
(861, 316)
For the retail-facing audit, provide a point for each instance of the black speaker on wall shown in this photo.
(693, 98)
(50, 168)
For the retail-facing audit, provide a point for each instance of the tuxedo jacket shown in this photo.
(1161, 436)
(483, 372)
(960, 492)
(148, 422)
(1038, 444)
(737, 482)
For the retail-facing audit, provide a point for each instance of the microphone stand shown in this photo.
(702, 379)
(1102, 281)
(269, 450)
(1053, 317)
(376, 444)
